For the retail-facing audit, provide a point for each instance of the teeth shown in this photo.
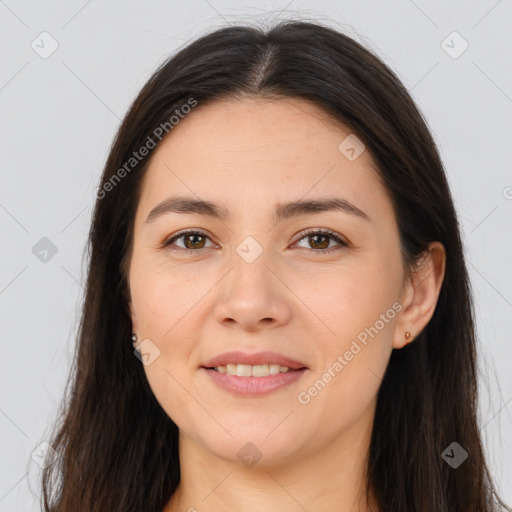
(274, 368)
(243, 370)
(246, 370)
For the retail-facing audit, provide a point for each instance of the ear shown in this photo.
(420, 294)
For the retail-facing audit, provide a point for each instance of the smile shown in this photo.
(247, 370)
(253, 386)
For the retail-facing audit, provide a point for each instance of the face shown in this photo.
(322, 288)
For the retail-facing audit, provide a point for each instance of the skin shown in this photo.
(249, 155)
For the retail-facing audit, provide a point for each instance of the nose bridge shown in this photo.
(251, 292)
(251, 276)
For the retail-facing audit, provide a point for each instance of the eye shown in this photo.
(321, 238)
(192, 239)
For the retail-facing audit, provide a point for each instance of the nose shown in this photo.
(252, 297)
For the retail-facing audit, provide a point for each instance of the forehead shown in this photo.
(252, 152)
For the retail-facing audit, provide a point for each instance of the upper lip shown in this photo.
(236, 357)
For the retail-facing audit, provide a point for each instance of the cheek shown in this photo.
(166, 383)
(167, 318)
(351, 298)
(357, 308)
(346, 383)
(161, 298)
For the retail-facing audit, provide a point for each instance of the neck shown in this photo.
(329, 479)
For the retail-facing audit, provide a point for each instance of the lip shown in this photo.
(254, 386)
(236, 357)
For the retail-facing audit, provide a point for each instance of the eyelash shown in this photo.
(302, 235)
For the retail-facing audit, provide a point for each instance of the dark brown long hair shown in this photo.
(117, 450)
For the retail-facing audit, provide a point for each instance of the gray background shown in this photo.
(58, 118)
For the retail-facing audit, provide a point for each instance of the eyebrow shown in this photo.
(190, 205)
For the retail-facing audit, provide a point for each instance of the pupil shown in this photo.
(316, 237)
(195, 237)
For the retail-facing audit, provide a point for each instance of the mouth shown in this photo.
(258, 371)
(252, 386)
(258, 364)
(253, 375)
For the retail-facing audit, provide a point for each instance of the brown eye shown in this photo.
(324, 244)
(319, 240)
(195, 241)
(192, 240)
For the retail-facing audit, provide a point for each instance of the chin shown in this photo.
(255, 445)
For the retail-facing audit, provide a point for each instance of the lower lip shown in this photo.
(254, 386)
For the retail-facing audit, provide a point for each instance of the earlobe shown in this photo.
(420, 296)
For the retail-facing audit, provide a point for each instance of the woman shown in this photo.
(275, 237)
